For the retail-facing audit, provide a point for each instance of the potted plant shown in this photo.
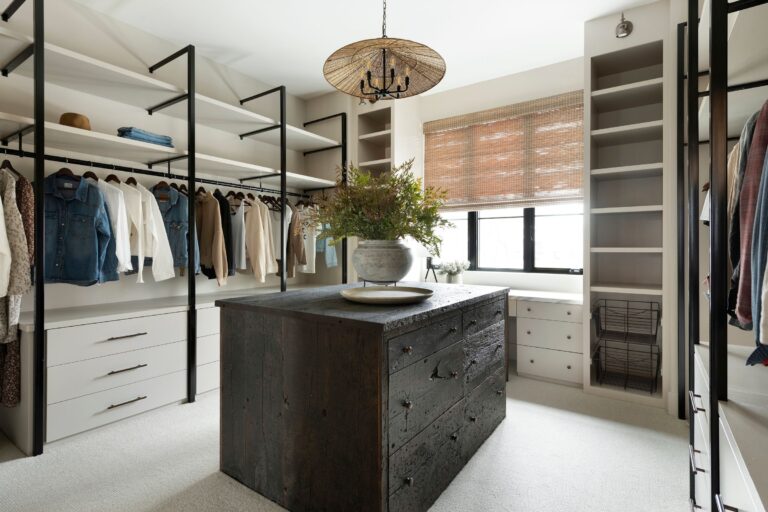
(453, 271)
(382, 210)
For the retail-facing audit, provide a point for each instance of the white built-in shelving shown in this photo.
(374, 138)
(382, 164)
(629, 171)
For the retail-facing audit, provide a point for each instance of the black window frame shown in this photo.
(529, 247)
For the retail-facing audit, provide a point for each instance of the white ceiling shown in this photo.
(287, 41)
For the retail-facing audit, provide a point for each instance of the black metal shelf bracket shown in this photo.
(167, 160)
(260, 130)
(313, 151)
(740, 5)
(18, 60)
(11, 9)
(166, 104)
(260, 177)
(261, 94)
(18, 134)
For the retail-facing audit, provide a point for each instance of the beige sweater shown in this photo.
(213, 252)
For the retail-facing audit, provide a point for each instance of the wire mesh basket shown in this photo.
(627, 352)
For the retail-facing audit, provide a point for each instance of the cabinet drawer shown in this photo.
(700, 395)
(71, 380)
(483, 354)
(90, 411)
(413, 346)
(208, 349)
(701, 438)
(549, 334)
(420, 450)
(477, 319)
(208, 321)
(70, 344)
(550, 364)
(549, 311)
(421, 392)
(702, 485)
(486, 408)
(735, 489)
(208, 377)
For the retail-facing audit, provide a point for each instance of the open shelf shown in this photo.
(627, 250)
(381, 165)
(629, 95)
(628, 134)
(629, 289)
(79, 72)
(382, 137)
(628, 209)
(629, 171)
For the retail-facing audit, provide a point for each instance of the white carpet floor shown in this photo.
(559, 450)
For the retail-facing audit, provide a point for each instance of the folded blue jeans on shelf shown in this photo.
(144, 136)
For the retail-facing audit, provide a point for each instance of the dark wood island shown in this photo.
(327, 405)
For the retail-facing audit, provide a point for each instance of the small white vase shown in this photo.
(382, 261)
(454, 278)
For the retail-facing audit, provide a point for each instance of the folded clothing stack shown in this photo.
(129, 132)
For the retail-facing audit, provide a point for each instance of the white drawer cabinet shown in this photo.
(208, 377)
(86, 412)
(71, 380)
(550, 364)
(549, 311)
(99, 339)
(208, 349)
(208, 321)
(548, 334)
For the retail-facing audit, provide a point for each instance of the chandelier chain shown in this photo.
(384, 21)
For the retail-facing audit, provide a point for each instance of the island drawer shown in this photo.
(484, 410)
(70, 344)
(477, 319)
(483, 354)
(549, 311)
(410, 347)
(71, 380)
(421, 392)
(548, 334)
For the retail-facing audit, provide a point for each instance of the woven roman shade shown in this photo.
(522, 155)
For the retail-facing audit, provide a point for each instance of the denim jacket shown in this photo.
(174, 206)
(79, 246)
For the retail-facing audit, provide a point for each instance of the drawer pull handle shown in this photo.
(454, 374)
(454, 437)
(473, 419)
(409, 481)
(115, 372)
(568, 313)
(408, 404)
(694, 506)
(569, 367)
(136, 335)
(527, 332)
(137, 399)
(498, 311)
(568, 337)
(452, 330)
(531, 361)
(722, 507)
(472, 322)
(499, 392)
(528, 309)
(408, 349)
(693, 398)
(691, 454)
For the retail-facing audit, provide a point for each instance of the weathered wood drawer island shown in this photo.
(332, 406)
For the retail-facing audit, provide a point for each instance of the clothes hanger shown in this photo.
(131, 181)
(112, 179)
(90, 174)
(231, 193)
(201, 190)
(7, 165)
(250, 196)
(183, 189)
(66, 172)
(174, 187)
(162, 185)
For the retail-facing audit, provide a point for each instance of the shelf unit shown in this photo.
(44, 63)
(374, 138)
(624, 190)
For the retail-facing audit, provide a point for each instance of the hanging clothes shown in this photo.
(226, 227)
(325, 246)
(174, 209)
(256, 242)
(25, 200)
(296, 254)
(5, 256)
(118, 218)
(759, 264)
(309, 236)
(20, 279)
(237, 222)
(747, 207)
(133, 206)
(274, 216)
(213, 253)
(156, 245)
(734, 229)
(270, 256)
(77, 233)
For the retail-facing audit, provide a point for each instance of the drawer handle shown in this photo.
(409, 481)
(528, 309)
(693, 396)
(454, 374)
(408, 404)
(473, 419)
(454, 437)
(113, 338)
(137, 399)
(527, 332)
(694, 506)
(568, 337)
(722, 507)
(691, 455)
(452, 330)
(568, 313)
(531, 361)
(498, 311)
(472, 322)
(408, 349)
(115, 372)
(499, 392)
(569, 367)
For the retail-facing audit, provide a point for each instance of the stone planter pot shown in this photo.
(454, 278)
(382, 261)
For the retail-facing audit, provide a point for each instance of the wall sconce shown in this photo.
(624, 28)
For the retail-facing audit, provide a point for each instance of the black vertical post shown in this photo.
(283, 185)
(344, 269)
(681, 352)
(38, 415)
(191, 291)
(718, 229)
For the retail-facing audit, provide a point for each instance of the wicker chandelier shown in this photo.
(384, 68)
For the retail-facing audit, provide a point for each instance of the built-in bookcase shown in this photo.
(374, 138)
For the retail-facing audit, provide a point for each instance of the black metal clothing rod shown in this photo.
(739, 87)
(326, 118)
(18, 60)
(740, 5)
(11, 9)
(170, 58)
(17, 134)
(260, 95)
(318, 189)
(260, 130)
(260, 177)
(313, 151)
(166, 104)
(167, 160)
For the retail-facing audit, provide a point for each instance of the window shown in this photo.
(545, 240)
(513, 181)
